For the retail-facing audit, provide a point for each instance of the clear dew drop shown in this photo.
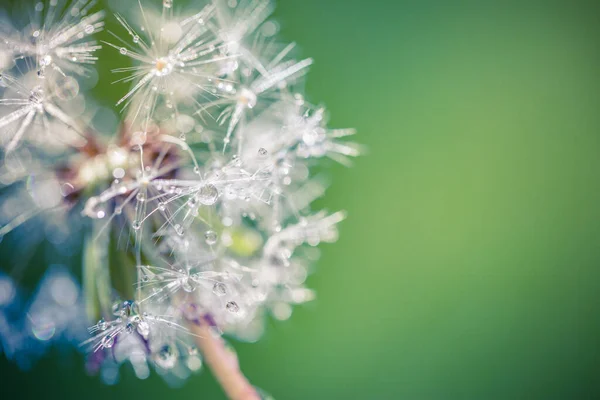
(136, 225)
(102, 324)
(136, 39)
(262, 152)
(232, 307)
(66, 87)
(220, 289)
(208, 195)
(89, 29)
(123, 50)
(108, 342)
(210, 237)
(188, 285)
(166, 357)
(167, 3)
(197, 170)
(141, 197)
(162, 206)
(192, 202)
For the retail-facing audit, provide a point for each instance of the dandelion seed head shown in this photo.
(202, 196)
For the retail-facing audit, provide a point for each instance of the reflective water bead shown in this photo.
(232, 307)
(123, 50)
(136, 225)
(102, 324)
(108, 341)
(67, 87)
(188, 285)
(208, 194)
(166, 357)
(220, 289)
(210, 237)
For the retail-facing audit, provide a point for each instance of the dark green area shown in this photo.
(469, 266)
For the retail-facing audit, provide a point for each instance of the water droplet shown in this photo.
(193, 202)
(208, 194)
(66, 87)
(136, 39)
(197, 170)
(136, 225)
(220, 289)
(162, 206)
(166, 357)
(102, 324)
(123, 50)
(167, 3)
(210, 237)
(262, 152)
(129, 308)
(89, 29)
(108, 342)
(188, 285)
(141, 197)
(232, 307)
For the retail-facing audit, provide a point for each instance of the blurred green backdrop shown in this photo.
(469, 266)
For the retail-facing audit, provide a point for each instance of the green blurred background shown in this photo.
(469, 266)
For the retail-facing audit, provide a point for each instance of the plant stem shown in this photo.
(223, 364)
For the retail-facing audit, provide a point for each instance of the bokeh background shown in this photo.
(469, 266)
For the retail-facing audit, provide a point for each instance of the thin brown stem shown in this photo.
(223, 364)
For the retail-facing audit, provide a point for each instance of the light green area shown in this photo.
(469, 265)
